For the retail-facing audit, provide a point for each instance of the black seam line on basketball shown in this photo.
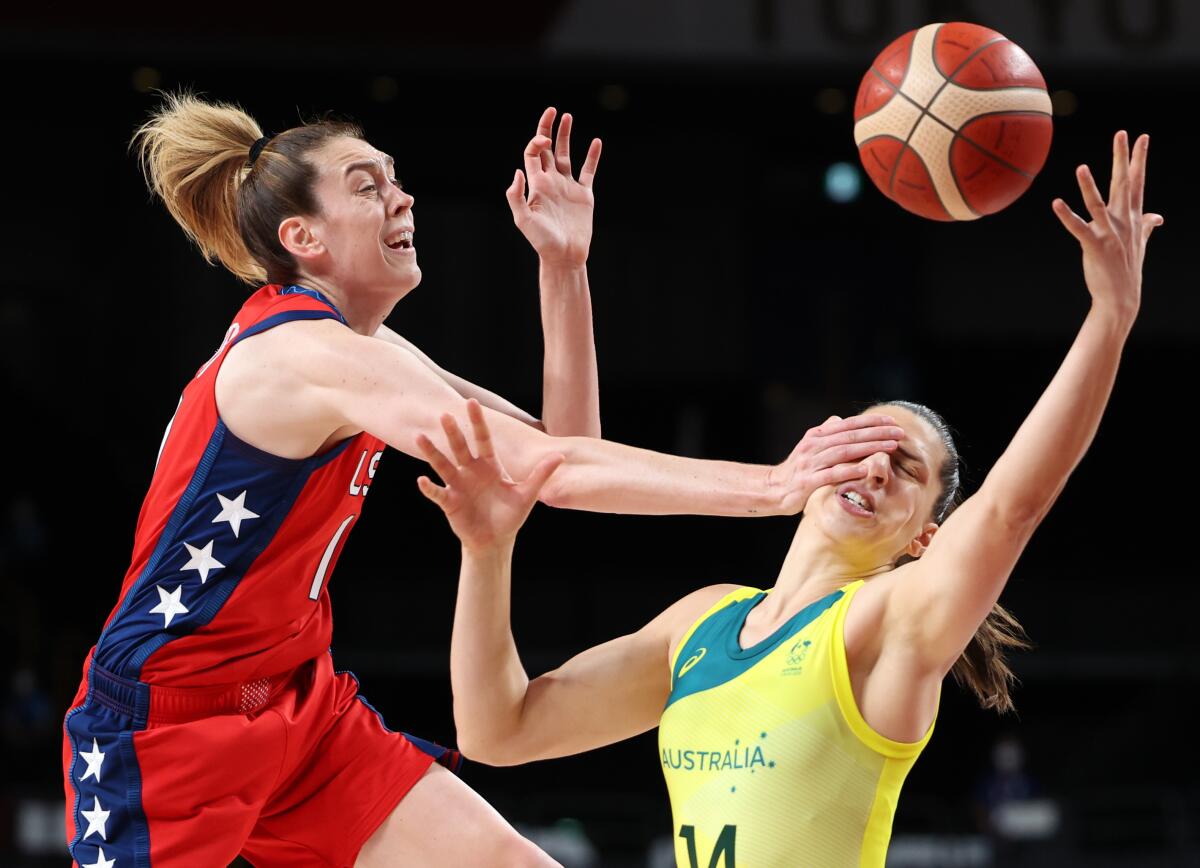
(949, 79)
(897, 89)
(925, 110)
(989, 154)
(895, 92)
(945, 84)
(958, 134)
(930, 175)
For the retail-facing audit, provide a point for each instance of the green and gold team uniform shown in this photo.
(767, 758)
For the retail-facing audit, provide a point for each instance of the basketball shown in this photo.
(952, 121)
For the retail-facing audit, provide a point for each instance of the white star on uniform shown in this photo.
(97, 817)
(94, 761)
(202, 561)
(101, 862)
(234, 511)
(168, 605)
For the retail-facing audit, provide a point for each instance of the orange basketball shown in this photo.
(952, 121)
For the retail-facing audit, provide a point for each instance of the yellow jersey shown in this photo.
(767, 759)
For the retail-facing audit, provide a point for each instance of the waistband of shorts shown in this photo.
(152, 703)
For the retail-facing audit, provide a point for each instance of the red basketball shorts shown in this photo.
(294, 770)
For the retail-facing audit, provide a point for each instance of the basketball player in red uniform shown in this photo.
(210, 720)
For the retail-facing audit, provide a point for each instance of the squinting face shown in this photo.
(365, 225)
(880, 515)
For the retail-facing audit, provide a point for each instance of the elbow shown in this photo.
(486, 749)
(555, 492)
(551, 495)
(1019, 516)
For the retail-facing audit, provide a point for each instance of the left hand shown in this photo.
(1114, 243)
(556, 217)
(484, 507)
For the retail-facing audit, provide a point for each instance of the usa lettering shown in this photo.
(360, 483)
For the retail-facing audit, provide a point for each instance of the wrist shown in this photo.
(774, 490)
(569, 271)
(1119, 316)
(493, 552)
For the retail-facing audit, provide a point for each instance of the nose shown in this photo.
(400, 201)
(879, 467)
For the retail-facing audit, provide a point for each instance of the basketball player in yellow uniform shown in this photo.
(789, 718)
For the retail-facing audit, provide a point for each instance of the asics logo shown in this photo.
(692, 661)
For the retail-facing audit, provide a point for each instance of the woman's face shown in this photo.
(880, 515)
(365, 225)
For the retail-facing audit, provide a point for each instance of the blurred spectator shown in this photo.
(1010, 807)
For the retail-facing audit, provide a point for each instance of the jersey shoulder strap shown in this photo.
(288, 304)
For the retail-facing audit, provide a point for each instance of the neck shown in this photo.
(364, 311)
(814, 568)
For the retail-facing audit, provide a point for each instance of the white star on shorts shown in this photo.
(101, 862)
(97, 819)
(94, 761)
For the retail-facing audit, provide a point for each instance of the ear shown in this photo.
(297, 237)
(919, 543)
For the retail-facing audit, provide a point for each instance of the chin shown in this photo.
(404, 283)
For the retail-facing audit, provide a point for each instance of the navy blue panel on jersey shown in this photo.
(199, 559)
(288, 316)
(714, 655)
(295, 289)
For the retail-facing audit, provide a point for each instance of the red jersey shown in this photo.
(235, 546)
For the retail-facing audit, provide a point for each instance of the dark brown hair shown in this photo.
(195, 156)
(983, 667)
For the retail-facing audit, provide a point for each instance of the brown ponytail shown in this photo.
(195, 156)
(983, 667)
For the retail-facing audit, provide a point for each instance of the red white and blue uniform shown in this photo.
(210, 721)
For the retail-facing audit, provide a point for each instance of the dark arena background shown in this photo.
(745, 287)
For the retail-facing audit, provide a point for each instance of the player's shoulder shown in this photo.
(684, 612)
(314, 349)
(679, 618)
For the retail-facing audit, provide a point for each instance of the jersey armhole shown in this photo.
(844, 692)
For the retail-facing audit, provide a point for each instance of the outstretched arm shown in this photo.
(556, 219)
(608, 693)
(356, 383)
(948, 592)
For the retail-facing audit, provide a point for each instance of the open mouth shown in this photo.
(400, 240)
(856, 503)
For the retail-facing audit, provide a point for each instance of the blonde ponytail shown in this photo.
(194, 155)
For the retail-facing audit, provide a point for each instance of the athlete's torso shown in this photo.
(767, 759)
(234, 546)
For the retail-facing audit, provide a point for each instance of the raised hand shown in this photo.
(484, 506)
(831, 454)
(1114, 242)
(556, 217)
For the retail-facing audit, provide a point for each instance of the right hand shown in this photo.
(484, 506)
(830, 454)
(557, 216)
(1114, 242)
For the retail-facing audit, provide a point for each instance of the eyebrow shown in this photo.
(909, 455)
(367, 165)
